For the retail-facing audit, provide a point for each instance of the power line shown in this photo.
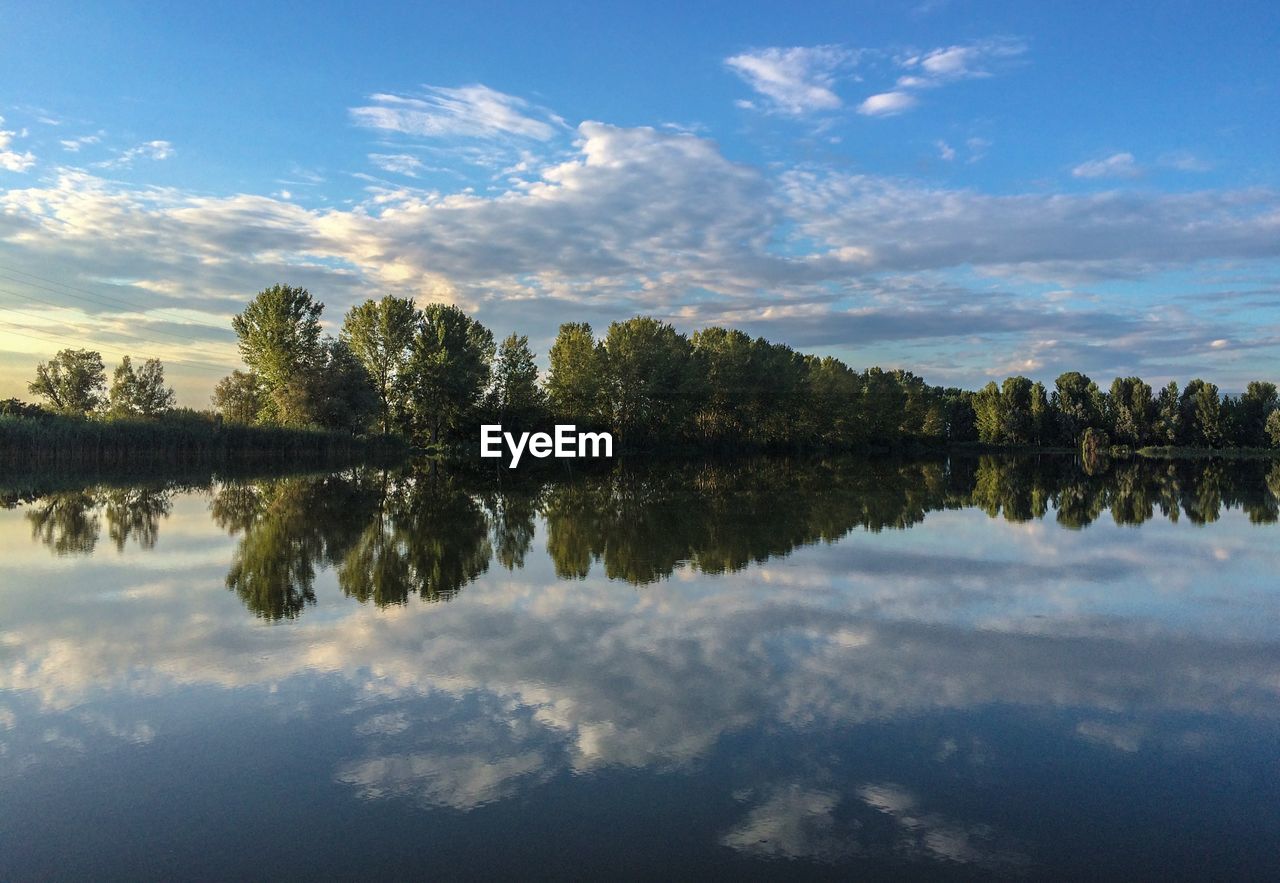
(130, 338)
(34, 334)
(65, 290)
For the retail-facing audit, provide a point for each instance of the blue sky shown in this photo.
(964, 189)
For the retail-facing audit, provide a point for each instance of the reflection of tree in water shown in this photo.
(135, 513)
(392, 535)
(67, 523)
(70, 522)
(289, 526)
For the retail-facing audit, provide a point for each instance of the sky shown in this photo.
(966, 190)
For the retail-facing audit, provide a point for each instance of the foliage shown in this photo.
(447, 371)
(381, 333)
(140, 393)
(238, 397)
(279, 334)
(73, 381)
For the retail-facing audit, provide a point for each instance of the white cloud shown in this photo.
(962, 61)
(398, 163)
(1184, 161)
(887, 104)
(470, 111)
(1118, 165)
(73, 145)
(154, 150)
(945, 151)
(11, 160)
(796, 80)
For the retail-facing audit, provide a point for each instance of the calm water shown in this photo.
(987, 667)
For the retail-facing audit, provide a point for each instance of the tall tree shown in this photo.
(575, 383)
(448, 369)
(655, 384)
(515, 396)
(72, 381)
(140, 393)
(343, 394)
(380, 333)
(1168, 419)
(1079, 405)
(1201, 415)
(1254, 407)
(279, 335)
(1131, 411)
(988, 414)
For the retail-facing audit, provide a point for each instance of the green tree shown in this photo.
(447, 372)
(575, 383)
(988, 414)
(279, 335)
(654, 383)
(1079, 405)
(515, 396)
(1201, 415)
(1254, 407)
(381, 334)
(1168, 419)
(238, 397)
(1273, 429)
(140, 393)
(72, 381)
(1015, 411)
(1041, 415)
(343, 394)
(1131, 411)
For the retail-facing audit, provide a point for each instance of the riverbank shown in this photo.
(182, 439)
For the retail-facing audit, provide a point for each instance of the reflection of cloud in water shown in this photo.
(792, 822)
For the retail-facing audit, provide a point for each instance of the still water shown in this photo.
(975, 668)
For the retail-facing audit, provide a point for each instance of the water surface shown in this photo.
(831, 668)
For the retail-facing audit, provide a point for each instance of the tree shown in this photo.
(988, 414)
(447, 371)
(1273, 429)
(238, 397)
(1079, 404)
(575, 382)
(279, 335)
(380, 333)
(1254, 407)
(140, 393)
(1168, 420)
(343, 395)
(1131, 411)
(73, 381)
(1200, 411)
(515, 396)
(1041, 415)
(654, 383)
(1015, 411)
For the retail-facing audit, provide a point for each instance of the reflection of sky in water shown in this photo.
(964, 693)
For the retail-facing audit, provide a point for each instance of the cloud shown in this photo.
(965, 61)
(1183, 161)
(73, 145)
(398, 163)
(11, 160)
(1118, 165)
(945, 151)
(469, 112)
(154, 150)
(887, 104)
(796, 80)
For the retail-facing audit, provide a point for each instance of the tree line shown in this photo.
(434, 374)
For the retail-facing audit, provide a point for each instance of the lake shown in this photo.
(971, 667)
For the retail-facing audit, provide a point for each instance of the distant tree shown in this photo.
(1253, 408)
(1079, 405)
(381, 333)
(279, 335)
(988, 414)
(238, 397)
(654, 383)
(1131, 411)
(515, 396)
(448, 370)
(140, 393)
(1015, 411)
(1200, 413)
(73, 381)
(1041, 415)
(1168, 416)
(575, 383)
